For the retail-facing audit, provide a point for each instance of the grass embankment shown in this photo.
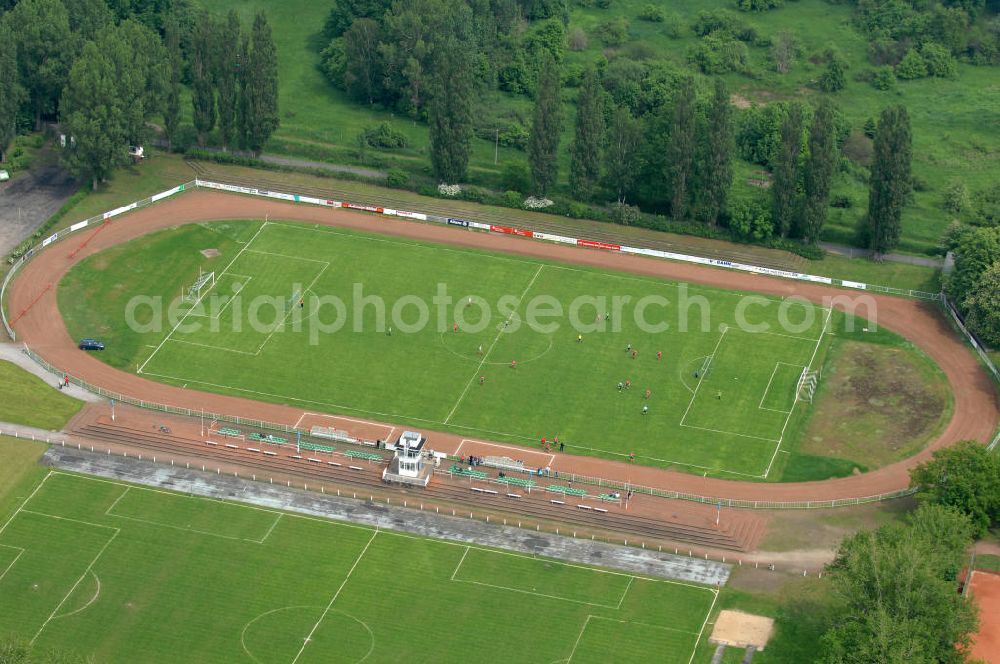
(29, 400)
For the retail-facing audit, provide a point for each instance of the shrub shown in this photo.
(912, 66)
(939, 61)
(718, 54)
(833, 79)
(613, 32)
(841, 201)
(625, 214)
(577, 39)
(719, 20)
(653, 14)
(511, 199)
(516, 177)
(397, 178)
(385, 137)
(883, 78)
(758, 5)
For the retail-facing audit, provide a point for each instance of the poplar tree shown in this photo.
(818, 172)
(172, 88)
(11, 92)
(261, 90)
(785, 182)
(680, 150)
(621, 156)
(717, 162)
(45, 50)
(202, 88)
(546, 127)
(585, 153)
(890, 179)
(226, 75)
(450, 111)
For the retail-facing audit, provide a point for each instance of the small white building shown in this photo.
(408, 465)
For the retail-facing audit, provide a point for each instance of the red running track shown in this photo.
(976, 411)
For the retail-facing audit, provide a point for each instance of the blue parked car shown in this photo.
(91, 344)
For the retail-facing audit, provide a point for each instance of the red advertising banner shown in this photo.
(511, 231)
(366, 208)
(598, 245)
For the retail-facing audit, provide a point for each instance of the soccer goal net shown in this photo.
(806, 388)
(201, 286)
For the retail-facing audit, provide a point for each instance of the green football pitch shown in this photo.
(132, 574)
(721, 368)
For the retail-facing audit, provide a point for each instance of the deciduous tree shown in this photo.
(622, 163)
(11, 92)
(93, 117)
(785, 183)
(45, 50)
(982, 306)
(546, 127)
(450, 111)
(965, 476)
(227, 72)
(890, 181)
(680, 149)
(716, 163)
(818, 172)
(261, 91)
(585, 152)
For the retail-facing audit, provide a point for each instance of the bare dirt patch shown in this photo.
(879, 404)
(210, 253)
(739, 101)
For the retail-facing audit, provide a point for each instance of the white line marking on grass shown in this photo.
(460, 561)
(78, 581)
(286, 256)
(20, 507)
(107, 512)
(701, 380)
(625, 592)
(183, 529)
(291, 309)
(270, 530)
(201, 297)
(812, 358)
(335, 596)
(732, 433)
(20, 552)
(534, 593)
(231, 299)
(89, 602)
(579, 637)
(701, 632)
(522, 450)
(492, 345)
(211, 347)
(770, 380)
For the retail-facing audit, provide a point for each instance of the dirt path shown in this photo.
(976, 410)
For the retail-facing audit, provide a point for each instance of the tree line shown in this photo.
(106, 71)
(895, 589)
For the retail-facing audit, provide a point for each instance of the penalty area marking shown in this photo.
(20, 552)
(97, 593)
(770, 380)
(522, 450)
(306, 414)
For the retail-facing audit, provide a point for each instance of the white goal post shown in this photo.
(196, 290)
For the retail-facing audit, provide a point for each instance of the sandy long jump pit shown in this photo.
(739, 630)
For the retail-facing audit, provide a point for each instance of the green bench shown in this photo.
(517, 481)
(361, 454)
(229, 431)
(317, 448)
(467, 472)
(268, 438)
(608, 497)
(558, 488)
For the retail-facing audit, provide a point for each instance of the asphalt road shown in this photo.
(27, 202)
